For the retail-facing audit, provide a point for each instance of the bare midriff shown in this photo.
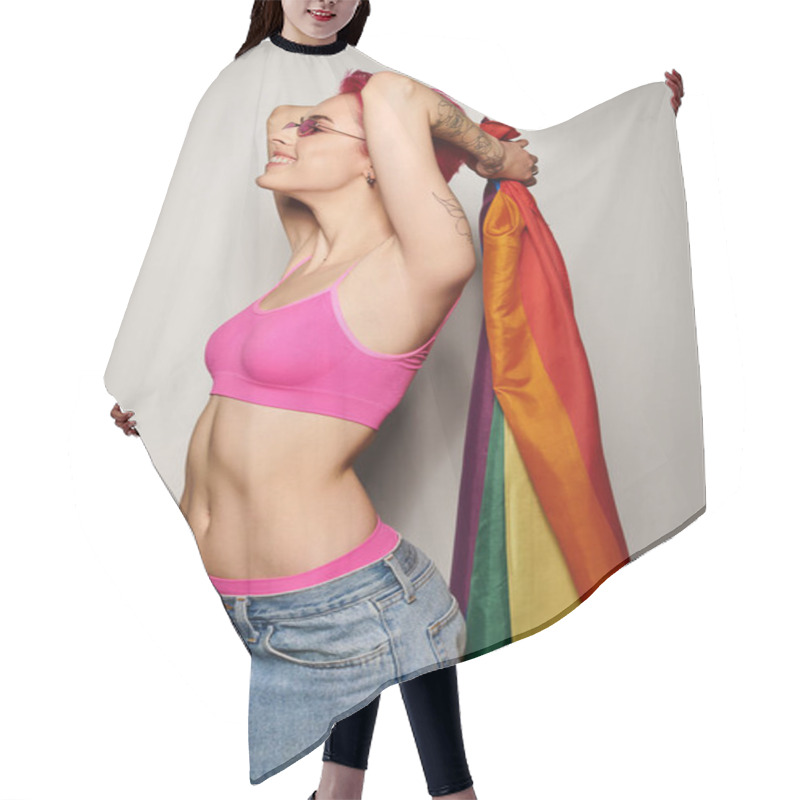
(272, 492)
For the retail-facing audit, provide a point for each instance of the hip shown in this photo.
(398, 607)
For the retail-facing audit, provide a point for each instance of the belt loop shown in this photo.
(240, 615)
(405, 582)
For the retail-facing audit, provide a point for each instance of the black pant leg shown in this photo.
(351, 737)
(434, 713)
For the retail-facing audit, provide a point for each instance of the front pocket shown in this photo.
(448, 635)
(343, 638)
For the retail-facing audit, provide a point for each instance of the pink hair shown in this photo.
(448, 156)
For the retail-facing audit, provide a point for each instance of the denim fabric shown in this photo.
(321, 653)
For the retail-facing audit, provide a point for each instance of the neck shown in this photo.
(294, 34)
(350, 227)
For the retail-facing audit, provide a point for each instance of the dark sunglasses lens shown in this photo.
(303, 128)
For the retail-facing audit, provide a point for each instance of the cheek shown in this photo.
(294, 11)
(327, 163)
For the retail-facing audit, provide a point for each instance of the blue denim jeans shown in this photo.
(321, 653)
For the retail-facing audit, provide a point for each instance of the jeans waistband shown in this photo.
(400, 565)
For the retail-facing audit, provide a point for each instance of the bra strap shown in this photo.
(345, 273)
(295, 268)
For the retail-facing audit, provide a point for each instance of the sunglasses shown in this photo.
(309, 126)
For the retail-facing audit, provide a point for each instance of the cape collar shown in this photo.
(308, 49)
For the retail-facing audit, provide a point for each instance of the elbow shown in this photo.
(385, 82)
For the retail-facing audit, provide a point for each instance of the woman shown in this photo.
(303, 379)
(270, 486)
(253, 40)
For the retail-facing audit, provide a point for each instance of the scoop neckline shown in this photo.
(308, 49)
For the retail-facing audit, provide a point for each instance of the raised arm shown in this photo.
(432, 229)
(401, 118)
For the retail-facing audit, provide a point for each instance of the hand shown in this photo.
(124, 421)
(517, 164)
(675, 82)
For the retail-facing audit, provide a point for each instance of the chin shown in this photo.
(263, 181)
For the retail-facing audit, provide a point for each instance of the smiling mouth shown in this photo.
(323, 16)
(279, 161)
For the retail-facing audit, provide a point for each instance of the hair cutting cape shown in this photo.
(555, 431)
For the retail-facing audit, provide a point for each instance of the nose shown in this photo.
(276, 143)
(285, 136)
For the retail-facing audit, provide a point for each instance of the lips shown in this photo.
(322, 16)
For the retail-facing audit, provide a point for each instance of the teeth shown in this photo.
(280, 160)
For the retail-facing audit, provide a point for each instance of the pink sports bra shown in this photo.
(302, 356)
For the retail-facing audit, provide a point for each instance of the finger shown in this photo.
(675, 92)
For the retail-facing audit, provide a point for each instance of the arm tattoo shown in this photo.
(454, 209)
(453, 126)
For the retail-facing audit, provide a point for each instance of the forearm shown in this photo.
(447, 122)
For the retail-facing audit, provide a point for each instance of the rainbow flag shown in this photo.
(537, 528)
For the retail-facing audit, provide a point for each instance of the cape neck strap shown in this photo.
(308, 49)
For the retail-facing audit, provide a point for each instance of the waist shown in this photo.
(251, 445)
(380, 542)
